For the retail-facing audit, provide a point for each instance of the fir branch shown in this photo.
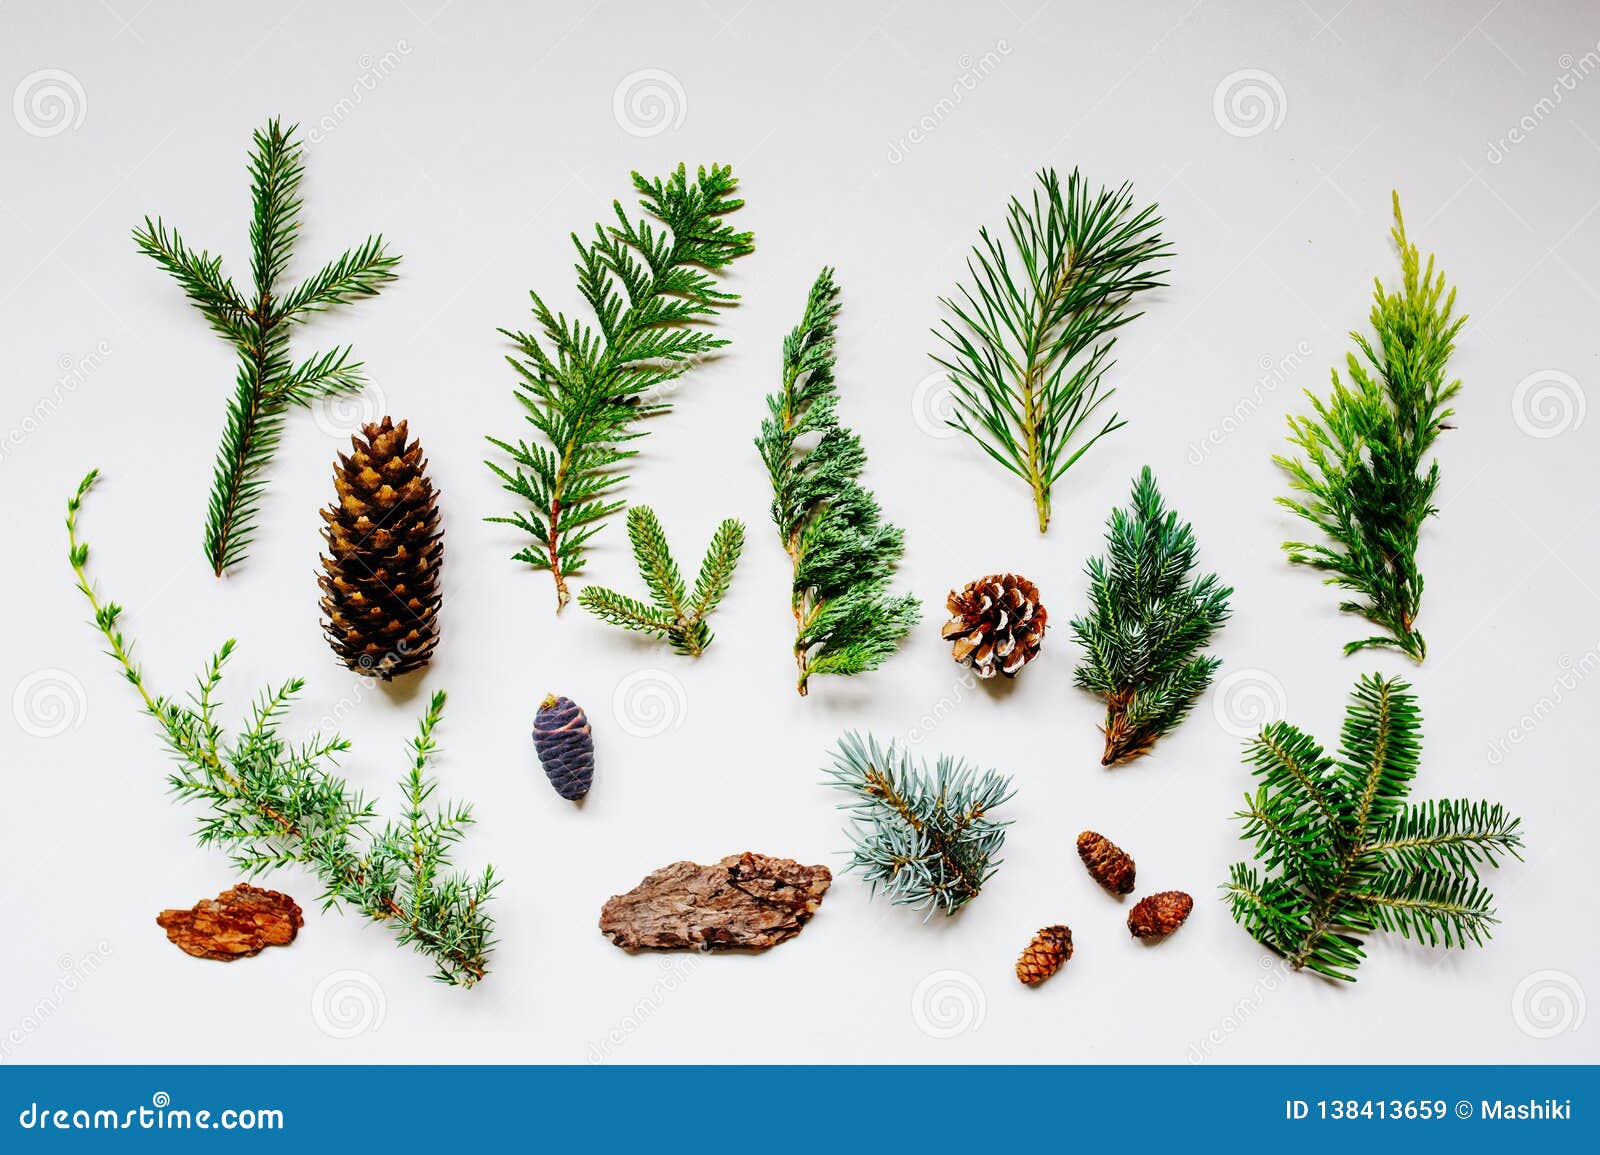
(675, 615)
(271, 804)
(928, 840)
(1029, 342)
(584, 387)
(265, 385)
(1361, 479)
(843, 555)
(1348, 854)
(1149, 620)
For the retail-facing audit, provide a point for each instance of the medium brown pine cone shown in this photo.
(1159, 914)
(996, 624)
(381, 583)
(1107, 863)
(1043, 957)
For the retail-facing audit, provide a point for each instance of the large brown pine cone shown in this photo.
(381, 583)
(1043, 957)
(1159, 914)
(1107, 863)
(996, 624)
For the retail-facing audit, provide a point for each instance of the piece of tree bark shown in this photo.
(236, 924)
(745, 902)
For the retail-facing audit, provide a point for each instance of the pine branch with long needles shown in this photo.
(584, 388)
(928, 840)
(268, 383)
(1361, 478)
(270, 803)
(1344, 853)
(842, 553)
(674, 613)
(1029, 342)
(1149, 621)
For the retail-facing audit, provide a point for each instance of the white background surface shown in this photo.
(476, 137)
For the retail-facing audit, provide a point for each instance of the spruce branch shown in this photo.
(583, 387)
(843, 555)
(270, 803)
(1149, 620)
(928, 840)
(1346, 854)
(1361, 479)
(673, 614)
(1029, 342)
(266, 383)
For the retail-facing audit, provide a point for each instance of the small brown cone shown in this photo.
(1043, 957)
(996, 624)
(380, 580)
(1107, 863)
(1159, 914)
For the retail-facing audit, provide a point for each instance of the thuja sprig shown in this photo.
(674, 613)
(842, 553)
(270, 803)
(583, 388)
(267, 383)
(1149, 622)
(1362, 481)
(1029, 341)
(926, 839)
(1343, 852)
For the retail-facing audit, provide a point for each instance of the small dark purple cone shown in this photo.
(566, 747)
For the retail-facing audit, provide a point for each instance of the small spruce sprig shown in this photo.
(1029, 343)
(268, 383)
(1344, 852)
(928, 840)
(583, 388)
(1361, 478)
(1148, 621)
(842, 553)
(270, 803)
(673, 614)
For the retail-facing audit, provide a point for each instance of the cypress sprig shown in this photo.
(673, 612)
(842, 553)
(267, 383)
(1362, 478)
(1030, 340)
(269, 803)
(1344, 854)
(1148, 623)
(584, 387)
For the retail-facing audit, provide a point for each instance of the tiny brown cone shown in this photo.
(380, 580)
(996, 624)
(1107, 863)
(1043, 957)
(1159, 914)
